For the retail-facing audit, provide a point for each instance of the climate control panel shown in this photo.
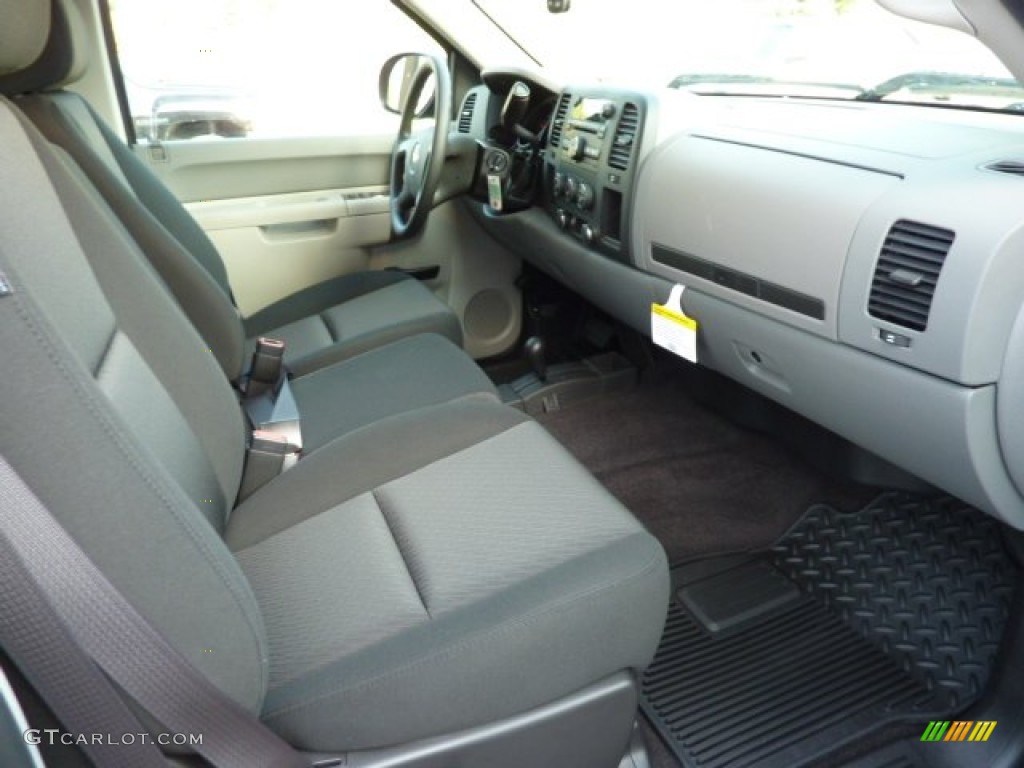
(592, 152)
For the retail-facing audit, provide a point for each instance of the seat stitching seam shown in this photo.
(106, 351)
(370, 427)
(529, 618)
(383, 507)
(332, 331)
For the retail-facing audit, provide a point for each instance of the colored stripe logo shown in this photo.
(958, 730)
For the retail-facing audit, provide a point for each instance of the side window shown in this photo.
(259, 68)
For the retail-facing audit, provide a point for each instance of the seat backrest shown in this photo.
(114, 411)
(172, 240)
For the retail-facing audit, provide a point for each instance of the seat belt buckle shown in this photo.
(267, 366)
(268, 455)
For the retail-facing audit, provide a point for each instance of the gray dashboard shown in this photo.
(862, 264)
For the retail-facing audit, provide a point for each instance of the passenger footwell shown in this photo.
(851, 623)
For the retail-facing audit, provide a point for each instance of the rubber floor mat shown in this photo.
(851, 622)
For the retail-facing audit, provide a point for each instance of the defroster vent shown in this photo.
(907, 273)
(466, 115)
(625, 137)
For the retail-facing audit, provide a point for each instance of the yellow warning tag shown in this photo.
(672, 329)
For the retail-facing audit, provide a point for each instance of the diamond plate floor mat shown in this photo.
(853, 621)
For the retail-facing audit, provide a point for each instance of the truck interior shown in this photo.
(483, 383)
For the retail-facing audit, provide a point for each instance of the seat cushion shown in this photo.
(407, 374)
(471, 571)
(340, 318)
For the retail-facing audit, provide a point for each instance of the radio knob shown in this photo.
(589, 235)
(562, 218)
(608, 111)
(570, 188)
(585, 196)
(558, 184)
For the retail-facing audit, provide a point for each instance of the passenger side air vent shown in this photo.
(625, 137)
(466, 115)
(559, 120)
(907, 273)
(1013, 167)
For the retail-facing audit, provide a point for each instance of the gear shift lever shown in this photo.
(534, 351)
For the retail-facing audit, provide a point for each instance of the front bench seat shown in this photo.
(432, 572)
(321, 325)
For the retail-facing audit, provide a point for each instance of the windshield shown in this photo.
(802, 48)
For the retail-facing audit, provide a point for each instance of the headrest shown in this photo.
(26, 25)
(56, 61)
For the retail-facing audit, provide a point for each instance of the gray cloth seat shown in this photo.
(323, 324)
(348, 315)
(466, 569)
(403, 376)
(428, 572)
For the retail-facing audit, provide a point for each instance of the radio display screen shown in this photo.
(589, 110)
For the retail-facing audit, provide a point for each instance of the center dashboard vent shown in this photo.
(558, 122)
(907, 273)
(466, 115)
(625, 137)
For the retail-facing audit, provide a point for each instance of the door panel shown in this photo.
(219, 169)
(276, 245)
(285, 213)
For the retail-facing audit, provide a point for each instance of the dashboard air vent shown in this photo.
(466, 115)
(625, 137)
(1014, 167)
(559, 120)
(907, 273)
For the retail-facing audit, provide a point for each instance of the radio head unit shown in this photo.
(586, 127)
(591, 114)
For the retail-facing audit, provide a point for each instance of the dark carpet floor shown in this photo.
(701, 484)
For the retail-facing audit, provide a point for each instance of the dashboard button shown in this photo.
(558, 184)
(577, 147)
(894, 339)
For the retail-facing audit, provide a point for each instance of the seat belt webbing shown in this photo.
(82, 699)
(43, 571)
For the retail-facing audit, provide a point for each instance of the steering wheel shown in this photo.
(418, 157)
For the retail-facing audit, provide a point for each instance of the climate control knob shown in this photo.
(571, 187)
(562, 218)
(585, 196)
(589, 235)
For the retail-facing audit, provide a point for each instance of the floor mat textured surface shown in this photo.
(858, 620)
